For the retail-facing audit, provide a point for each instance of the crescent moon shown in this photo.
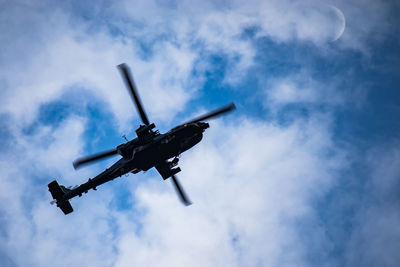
(342, 24)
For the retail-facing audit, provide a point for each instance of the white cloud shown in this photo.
(70, 57)
(375, 238)
(303, 89)
(61, 53)
(312, 92)
(35, 233)
(251, 182)
(286, 92)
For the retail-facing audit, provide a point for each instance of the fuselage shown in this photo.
(145, 152)
(165, 146)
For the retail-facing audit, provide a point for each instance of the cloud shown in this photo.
(63, 53)
(375, 237)
(302, 89)
(248, 198)
(31, 233)
(254, 183)
(70, 57)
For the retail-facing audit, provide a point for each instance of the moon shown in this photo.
(339, 31)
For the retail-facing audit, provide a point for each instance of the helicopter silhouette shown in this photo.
(149, 149)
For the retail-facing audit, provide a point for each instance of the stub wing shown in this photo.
(166, 171)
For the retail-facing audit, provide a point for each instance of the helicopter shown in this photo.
(149, 149)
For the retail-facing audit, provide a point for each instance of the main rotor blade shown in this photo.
(179, 190)
(89, 159)
(215, 113)
(130, 84)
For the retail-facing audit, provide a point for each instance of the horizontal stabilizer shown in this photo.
(58, 192)
(66, 207)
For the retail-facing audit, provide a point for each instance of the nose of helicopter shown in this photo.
(203, 125)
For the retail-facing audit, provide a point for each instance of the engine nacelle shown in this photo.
(145, 130)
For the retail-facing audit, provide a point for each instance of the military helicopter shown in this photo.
(149, 149)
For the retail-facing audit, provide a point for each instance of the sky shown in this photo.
(306, 171)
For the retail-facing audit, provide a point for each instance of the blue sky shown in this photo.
(304, 173)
